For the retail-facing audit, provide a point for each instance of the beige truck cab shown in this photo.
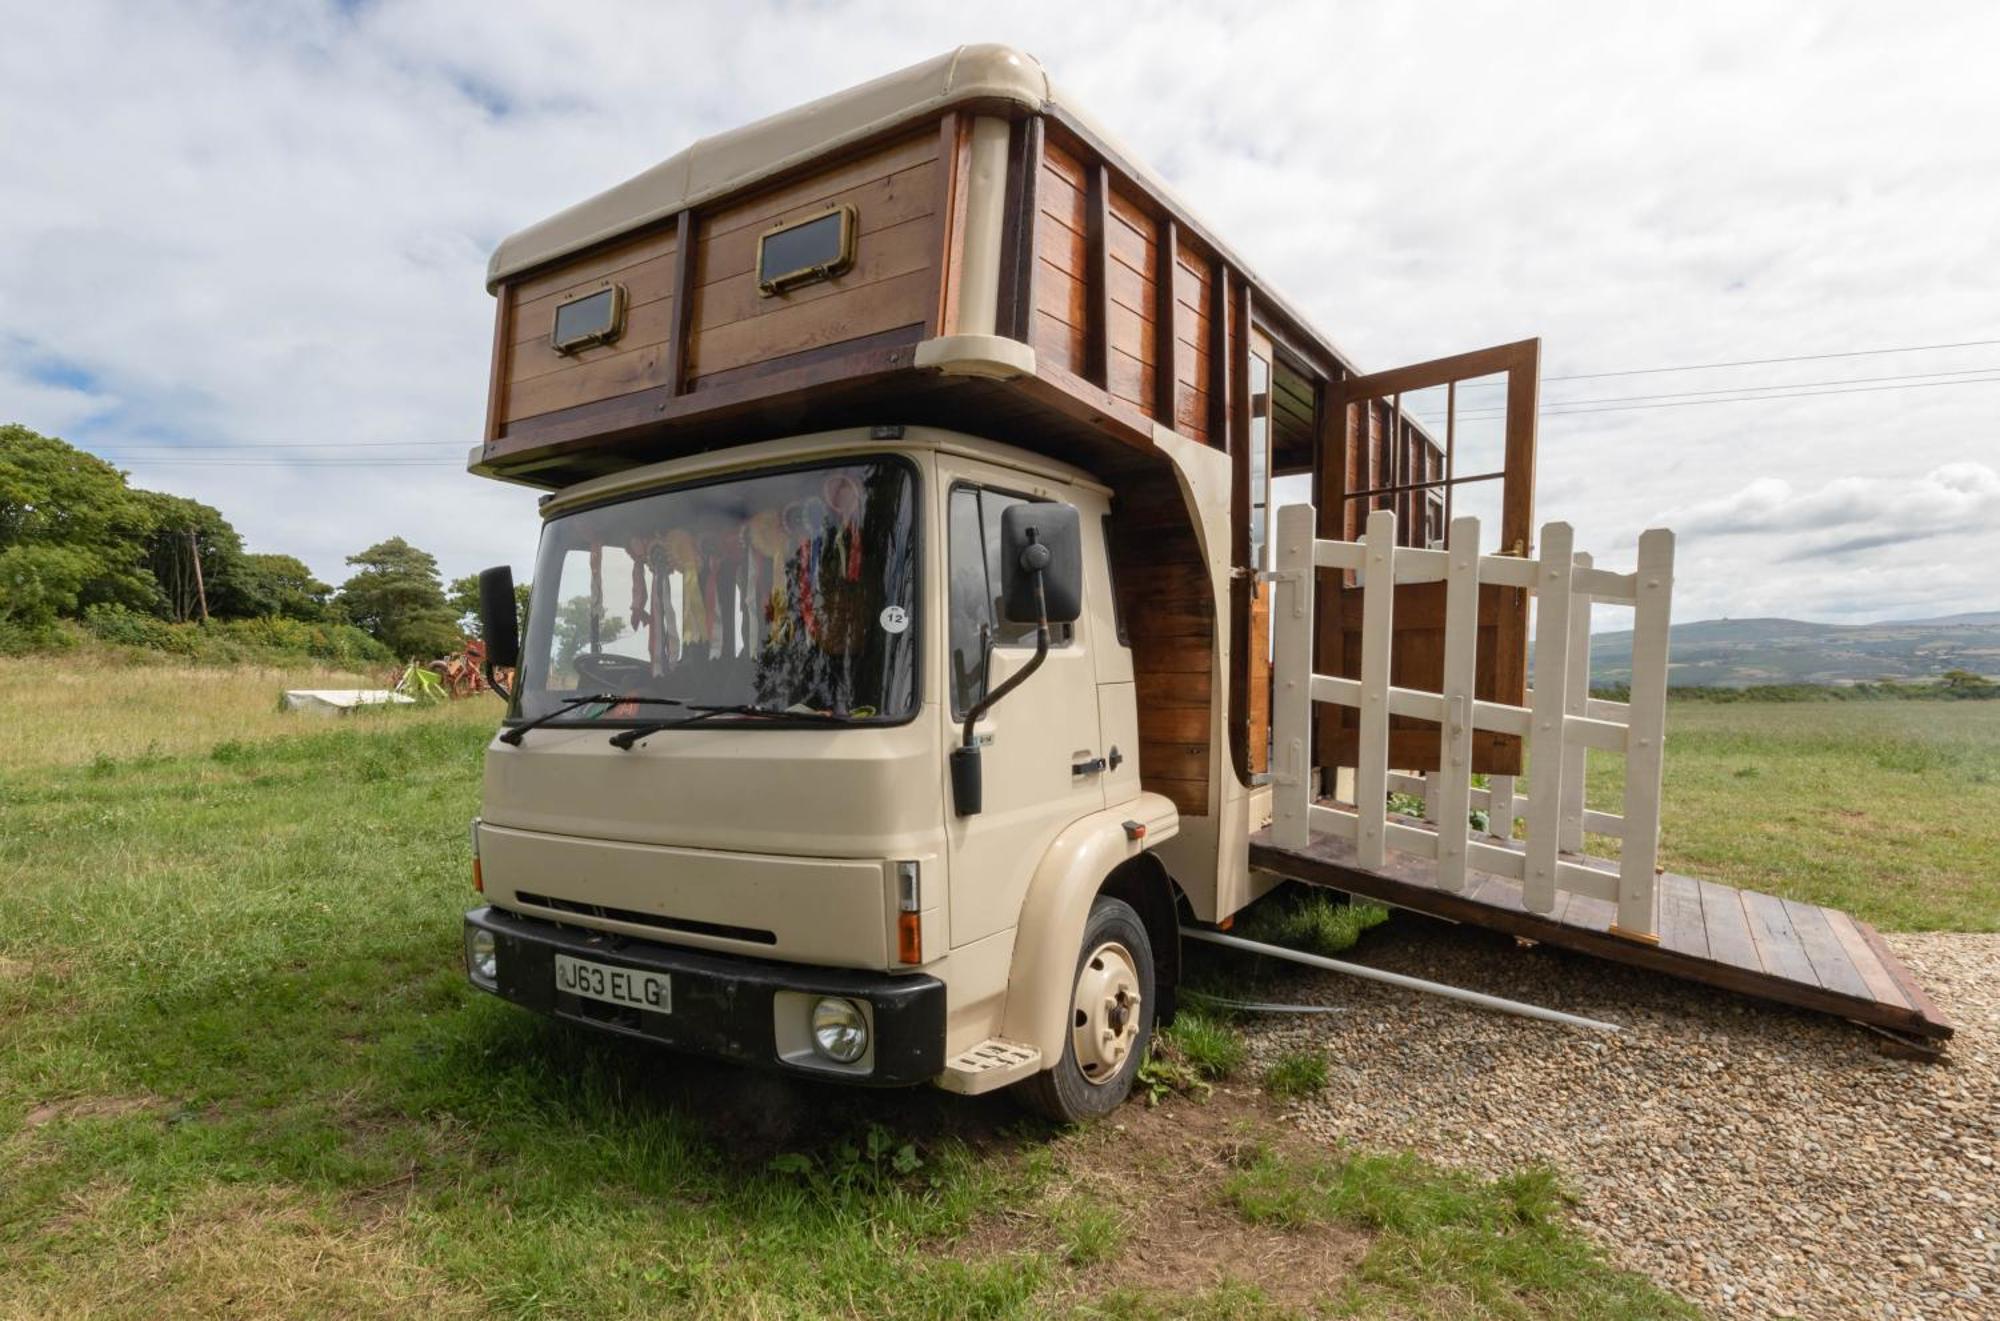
(723, 813)
(896, 681)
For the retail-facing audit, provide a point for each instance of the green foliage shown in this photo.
(1951, 686)
(56, 498)
(40, 582)
(285, 587)
(1314, 920)
(1296, 1073)
(267, 640)
(1205, 1043)
(396, 598)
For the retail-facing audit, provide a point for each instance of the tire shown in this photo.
(1115, 956)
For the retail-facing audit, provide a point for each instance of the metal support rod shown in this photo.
(1493, 1002)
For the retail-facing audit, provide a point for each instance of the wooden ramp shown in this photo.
(1738, 940)
(1462, 859)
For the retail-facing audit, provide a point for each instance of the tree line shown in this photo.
(81, 546)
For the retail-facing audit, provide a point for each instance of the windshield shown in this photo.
(781, 590)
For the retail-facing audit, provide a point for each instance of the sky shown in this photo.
(242, 247)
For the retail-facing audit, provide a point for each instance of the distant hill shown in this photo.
(1735, 653)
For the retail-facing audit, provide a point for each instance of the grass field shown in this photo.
(240, 1072)
(1890, 810)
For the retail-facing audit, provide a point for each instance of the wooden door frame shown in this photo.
(1505, 667)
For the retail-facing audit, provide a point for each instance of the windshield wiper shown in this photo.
(515, 734)
(626, 738)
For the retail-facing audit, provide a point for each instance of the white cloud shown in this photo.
(232, 225)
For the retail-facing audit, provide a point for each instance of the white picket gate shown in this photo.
(1561, 724)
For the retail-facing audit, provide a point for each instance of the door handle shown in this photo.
(1095, 766)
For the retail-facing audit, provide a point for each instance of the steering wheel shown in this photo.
(611, 673)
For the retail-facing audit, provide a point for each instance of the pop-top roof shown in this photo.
(729, 161)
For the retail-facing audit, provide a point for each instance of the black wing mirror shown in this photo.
(499, 627)
(1041, 582)
(1041, 563)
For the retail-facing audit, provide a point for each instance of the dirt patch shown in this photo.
(89, 1107)
(1159, 1174)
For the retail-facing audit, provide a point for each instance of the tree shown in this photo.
(397, 599)
(464, 598)
(287, 587)
(56, 498)
(188, 536)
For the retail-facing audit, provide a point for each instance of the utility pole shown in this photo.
(200, 592)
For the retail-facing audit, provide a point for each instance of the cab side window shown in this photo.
(973, 533)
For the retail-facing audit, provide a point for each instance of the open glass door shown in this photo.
(1406, 440)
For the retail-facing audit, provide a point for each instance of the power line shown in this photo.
(1552, 407)
(1746, 362)
(1748, 399)
(288, 444)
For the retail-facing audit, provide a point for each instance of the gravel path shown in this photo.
(1761, 1161)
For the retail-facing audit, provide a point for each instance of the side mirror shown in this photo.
(498, 626)
(1042, 540)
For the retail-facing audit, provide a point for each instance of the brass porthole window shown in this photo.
(801, 252)
(597, 317)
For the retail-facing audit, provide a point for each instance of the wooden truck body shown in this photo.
(954, 269)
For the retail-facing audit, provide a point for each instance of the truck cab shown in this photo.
(733, 826)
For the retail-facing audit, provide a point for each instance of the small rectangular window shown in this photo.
(595, 318)
(803, 251)
(977, 626)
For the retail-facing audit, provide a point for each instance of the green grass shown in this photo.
(1890, 810)
(1295, 1074)
(1445, 1244)
(1315, 921)
(240, 1071)
(1206, 1043)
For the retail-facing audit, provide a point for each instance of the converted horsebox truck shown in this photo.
(895, 680)
(896, 686)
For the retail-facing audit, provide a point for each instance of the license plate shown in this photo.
(632, 987)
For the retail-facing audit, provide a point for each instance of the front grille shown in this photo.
(686, 925)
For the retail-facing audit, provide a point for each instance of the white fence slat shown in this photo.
(1618, 713)
(1576, 697)
(1507, 571)
(1413, 840)
(1646, 742)
(1338, 554)
(1497, 859)
(1592, 882)
(1500, 808)
(1291, 701)
(1335, 821)
(1603, 823)
(1378, 597)
(1461, 638)
(1605, 585)
(1547, 737)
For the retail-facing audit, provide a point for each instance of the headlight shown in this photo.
(839, 1030)
(482, 958)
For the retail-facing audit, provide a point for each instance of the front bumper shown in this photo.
(724, 1005)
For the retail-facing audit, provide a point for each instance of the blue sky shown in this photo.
(242, 246)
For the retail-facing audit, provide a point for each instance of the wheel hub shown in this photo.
(1105, 1011)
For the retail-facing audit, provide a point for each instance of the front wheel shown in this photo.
(1110, 1018)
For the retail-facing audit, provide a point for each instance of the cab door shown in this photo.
(1042, 760)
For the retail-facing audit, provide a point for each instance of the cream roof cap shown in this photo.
(728, 161)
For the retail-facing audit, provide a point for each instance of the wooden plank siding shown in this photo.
(1116, 347)
(725, 324)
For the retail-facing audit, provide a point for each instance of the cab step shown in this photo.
(993, 1063)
